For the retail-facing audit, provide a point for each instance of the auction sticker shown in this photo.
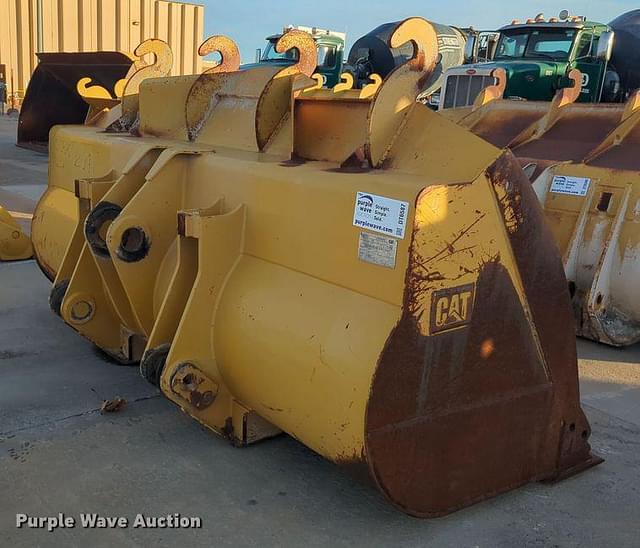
(380, 250)
(575, 186)
(381, 214)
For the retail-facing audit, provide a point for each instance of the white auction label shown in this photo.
(575, 186)
(381, 214)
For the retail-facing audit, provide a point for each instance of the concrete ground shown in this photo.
(59, 454)
(23, 174)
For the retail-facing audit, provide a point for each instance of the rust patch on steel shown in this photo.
(542, 275)
(201, 400)
(501, 128)
(161, 66)
(446, 427)
(228, 50)
(191, 385)
(464, 414)
(572, 136)
(202, 97)
(307, 56)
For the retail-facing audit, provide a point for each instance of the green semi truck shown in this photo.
(538, 54)
(371, 53)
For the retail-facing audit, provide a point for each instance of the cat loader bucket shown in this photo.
(582, 162)
(52, 96)
(345, 266)
(14, 243)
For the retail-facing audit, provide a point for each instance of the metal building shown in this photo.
(28, 26)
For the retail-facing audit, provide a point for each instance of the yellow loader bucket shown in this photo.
(582, 161)
(14, 243)
(52, 97)
(331, 264)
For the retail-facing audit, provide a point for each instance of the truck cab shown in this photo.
(329, 46)
(537, 56)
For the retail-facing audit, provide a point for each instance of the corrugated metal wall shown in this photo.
(92, 25)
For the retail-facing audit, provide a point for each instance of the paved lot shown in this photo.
(59, 454)
(23, 174)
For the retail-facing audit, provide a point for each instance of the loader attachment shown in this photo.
(349, 268)
(582, 162)
(593, 209)
(52, 97)
(14, 243)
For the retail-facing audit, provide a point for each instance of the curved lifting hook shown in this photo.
(319, 79)
(307, 56)
(228, 50)
(97, 97)
(346, 83)
(202, 94)
(566, 96)
(163, 54)
(491, 93)
(161, 65)
(399, 91)
(91, 92)
(370, 89)
(425, 42)
(274, 102)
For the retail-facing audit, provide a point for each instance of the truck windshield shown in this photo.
(326, 55)
(270, 53)
(554, 44)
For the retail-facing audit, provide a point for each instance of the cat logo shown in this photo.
(451, 307)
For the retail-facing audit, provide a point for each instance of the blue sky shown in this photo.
(249, 21)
